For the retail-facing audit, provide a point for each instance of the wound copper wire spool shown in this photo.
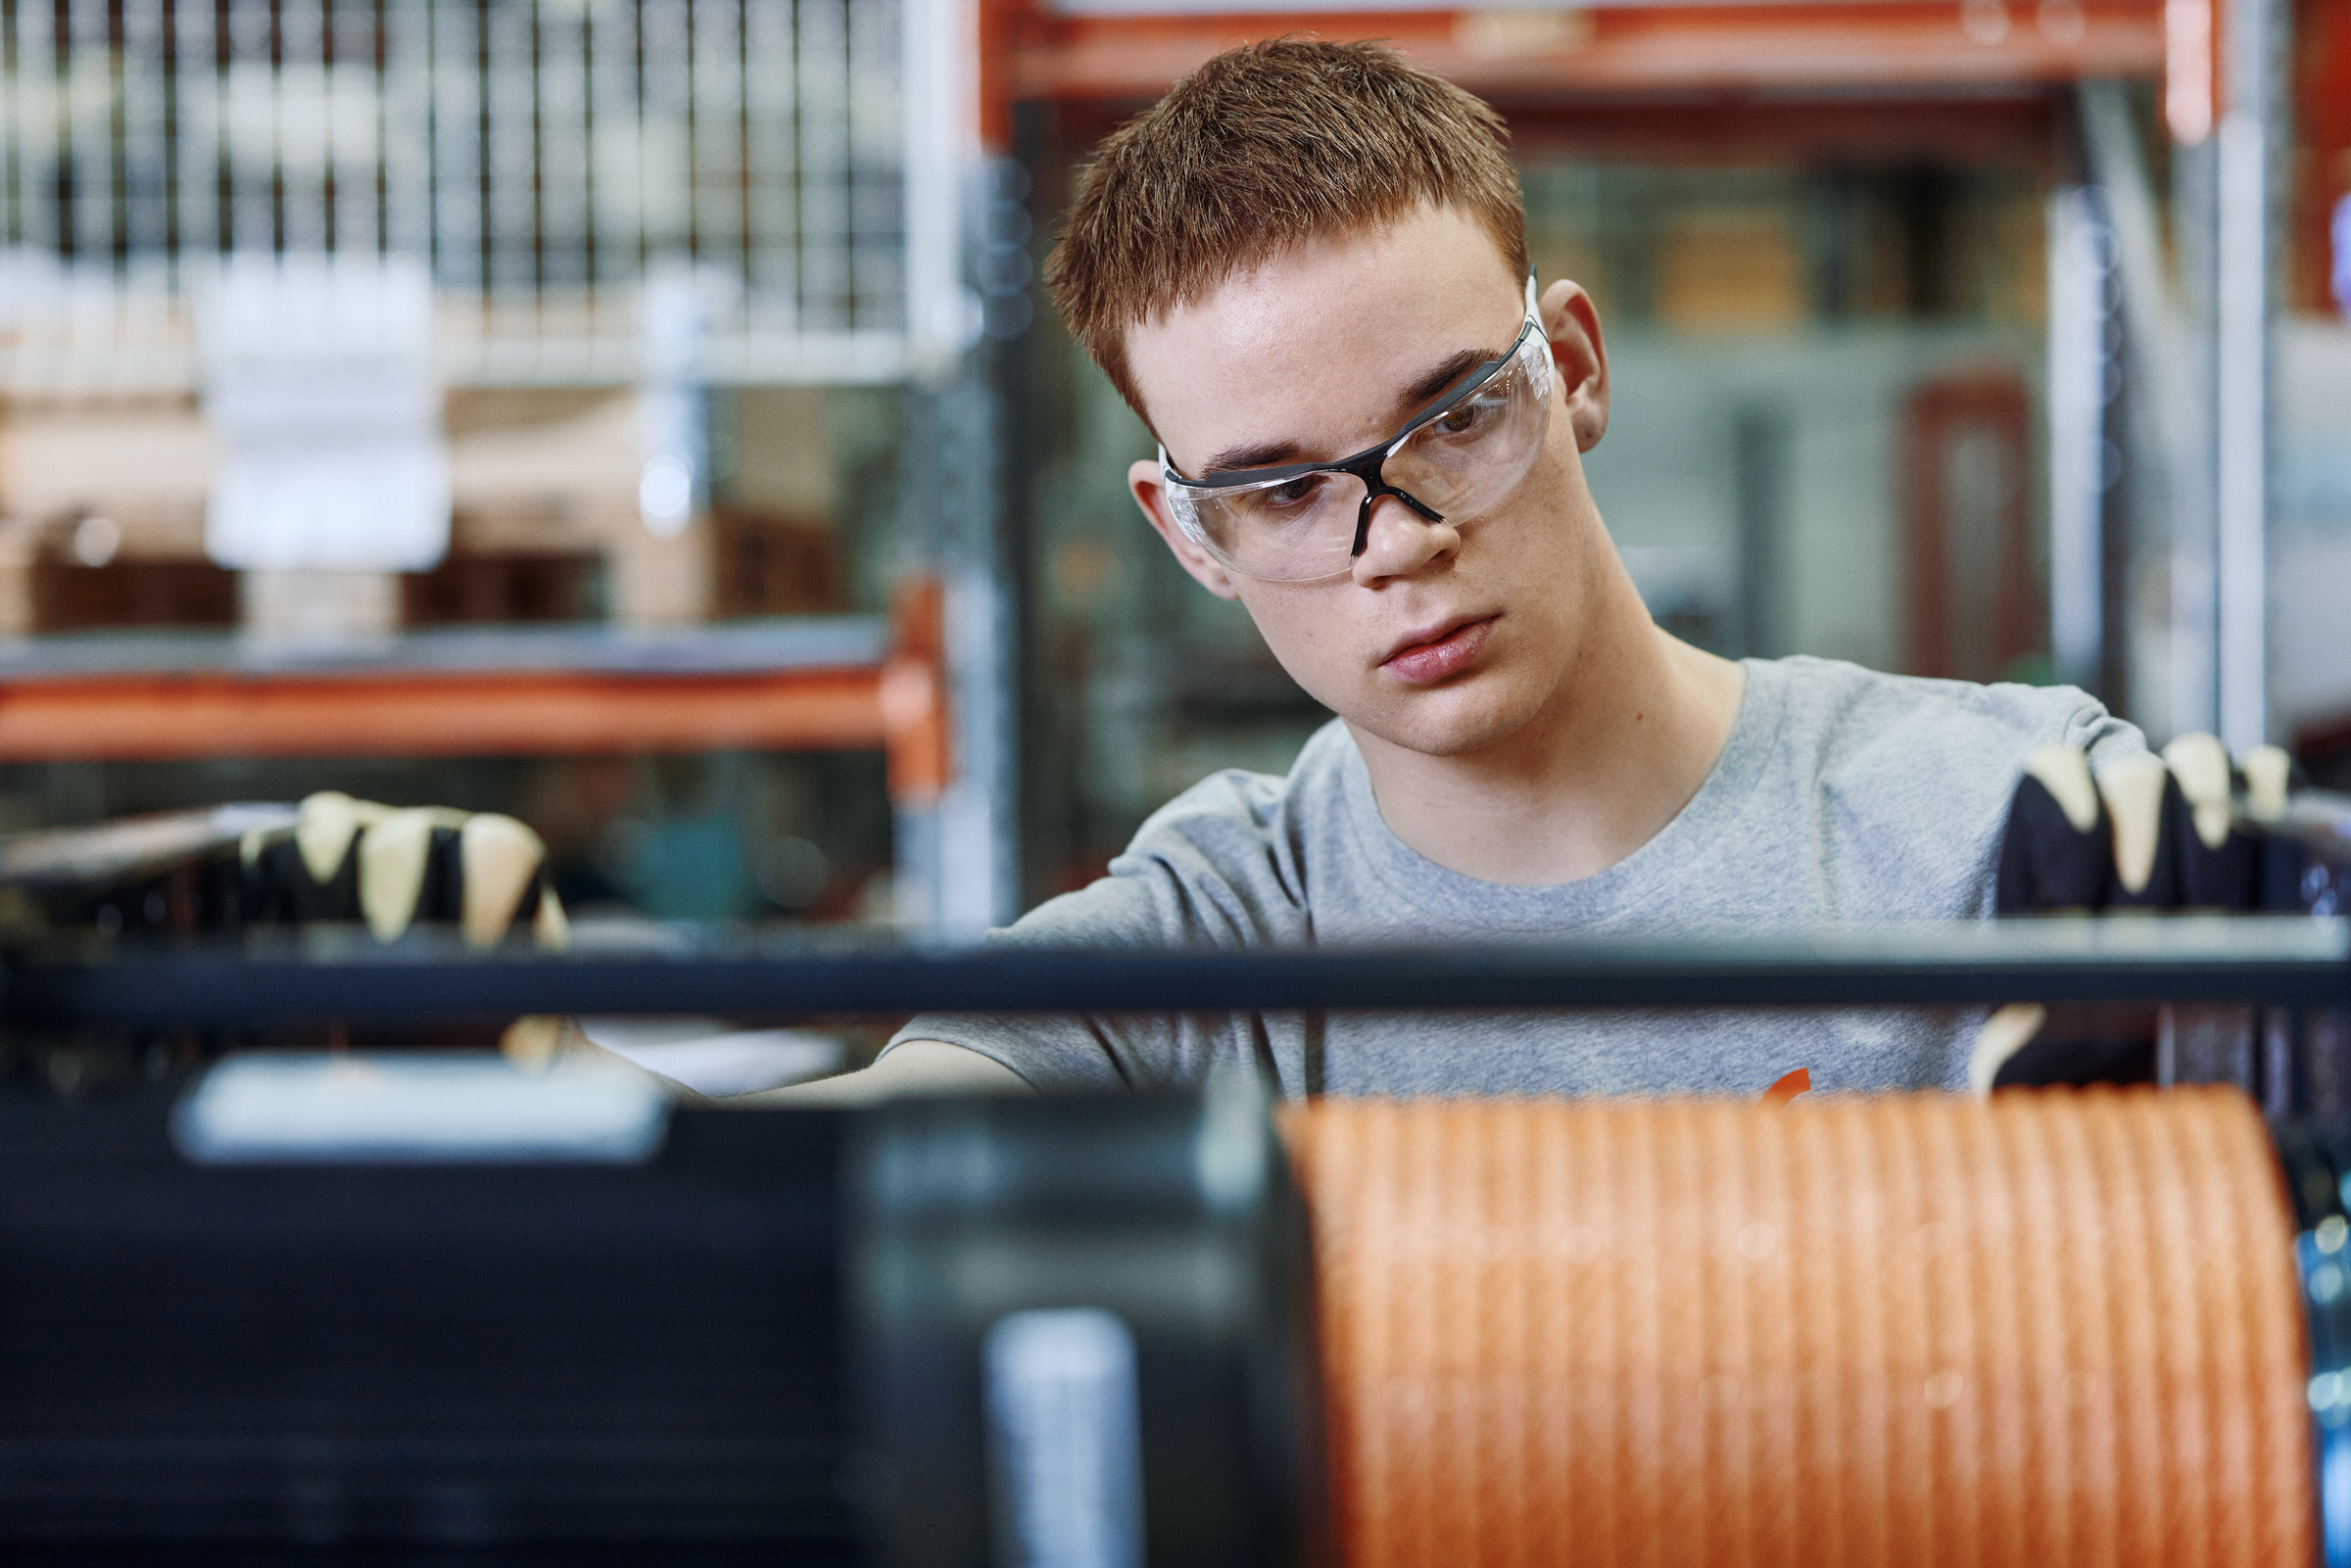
(2058, 1328)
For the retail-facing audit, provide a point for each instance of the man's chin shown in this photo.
(1454, 723)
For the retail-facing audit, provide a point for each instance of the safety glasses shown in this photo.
(1451, 461)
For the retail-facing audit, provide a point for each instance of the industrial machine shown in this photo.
(430, 1307)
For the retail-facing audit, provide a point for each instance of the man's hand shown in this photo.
(355, 860)
(393, 867)
(2182, 832)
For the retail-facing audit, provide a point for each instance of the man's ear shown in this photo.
(1151, 495)
(1572, 324)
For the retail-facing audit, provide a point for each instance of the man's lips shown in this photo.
(1443, 651)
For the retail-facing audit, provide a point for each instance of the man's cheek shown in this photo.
(1311, 653)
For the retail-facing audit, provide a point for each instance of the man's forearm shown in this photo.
(915, 1066)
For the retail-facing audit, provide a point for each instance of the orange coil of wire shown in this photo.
(2054, 1329)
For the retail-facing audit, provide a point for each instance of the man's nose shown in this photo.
(1399, 542)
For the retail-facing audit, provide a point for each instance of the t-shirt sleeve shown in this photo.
(2106, 739)
(2055, 714)
(1213, 868)
(1917, 776)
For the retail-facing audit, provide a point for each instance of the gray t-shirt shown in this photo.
(1842, 795)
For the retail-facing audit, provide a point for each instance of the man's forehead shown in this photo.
(1424, 252)
(1323, 337)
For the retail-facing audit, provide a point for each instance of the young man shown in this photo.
(1306, 269)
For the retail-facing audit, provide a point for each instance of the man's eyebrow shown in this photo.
(1444, 375)
(1269, 454)
(1265, 454)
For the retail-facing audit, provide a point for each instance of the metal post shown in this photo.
(2168, 454)
(958, 858)
(2242, 320)
(2085, 466)
(2195, 606)
(936, 48)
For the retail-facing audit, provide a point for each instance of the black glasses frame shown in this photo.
(1368, 465)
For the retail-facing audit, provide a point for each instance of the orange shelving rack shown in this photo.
(821, 684)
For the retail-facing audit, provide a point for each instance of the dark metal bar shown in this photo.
(2282, 961)
(803, 643)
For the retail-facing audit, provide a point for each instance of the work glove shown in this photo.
(393, 867)
(331, 859)
(2185, 830)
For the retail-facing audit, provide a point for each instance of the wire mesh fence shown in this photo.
(544, 158)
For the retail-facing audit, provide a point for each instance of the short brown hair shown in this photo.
(1262, 148)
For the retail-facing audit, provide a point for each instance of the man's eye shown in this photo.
(1468, 416)
(1288, 496)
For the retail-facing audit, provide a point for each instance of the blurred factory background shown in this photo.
(642, 415)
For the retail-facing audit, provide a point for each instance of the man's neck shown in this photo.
(1635, 729)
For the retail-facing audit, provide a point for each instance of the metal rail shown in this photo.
(339, 973)
(781, 684)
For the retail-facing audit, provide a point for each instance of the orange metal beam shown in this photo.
(184, 716)
(1646, 49)
(913, 695)
(2322, 171)
(898, 706)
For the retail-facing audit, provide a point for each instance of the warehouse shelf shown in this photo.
(1102, 51)
(742, 647)
(843, 683)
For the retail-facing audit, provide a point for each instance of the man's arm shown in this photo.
(912, 1066)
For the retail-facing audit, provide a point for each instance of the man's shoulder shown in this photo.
(1904, 782)
(1235, 807)
(1841, 713)
(1223, 862)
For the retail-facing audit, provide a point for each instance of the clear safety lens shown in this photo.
(1457, 464)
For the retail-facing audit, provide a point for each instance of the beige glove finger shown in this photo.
(550, 928)
(392, 869)
(2007, 1032)
(2132, 790)
(324, 825)
(499, 860)
(2064, 771)
(2267, 770)
(395, 856)
(2200, 763)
